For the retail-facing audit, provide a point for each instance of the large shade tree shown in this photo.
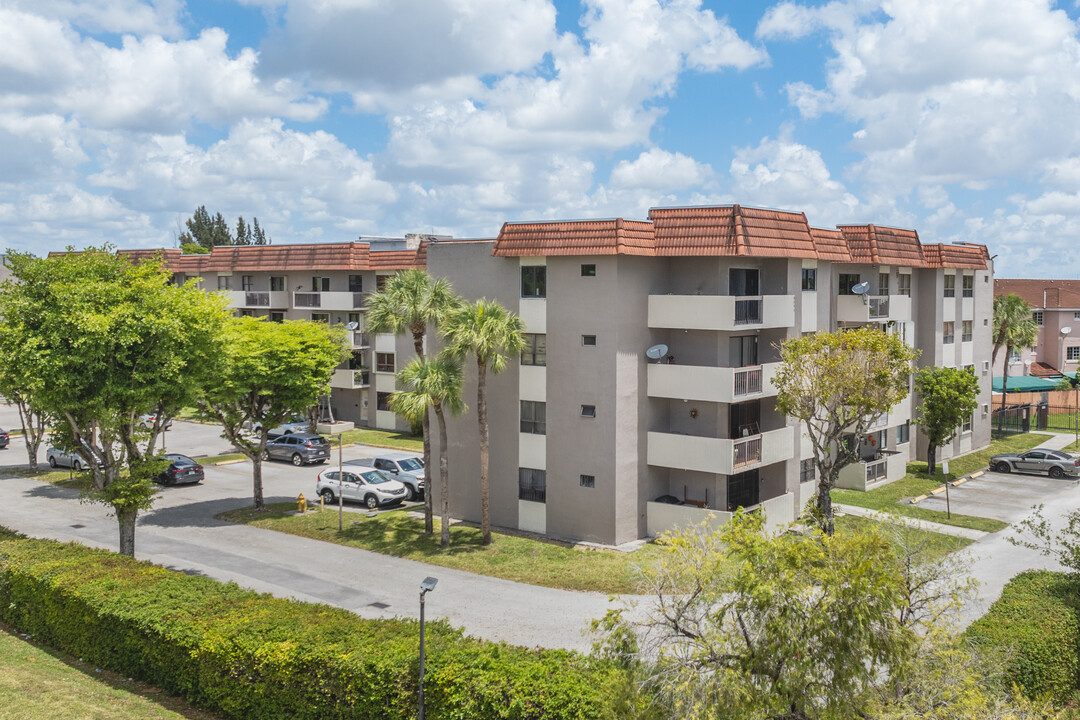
(106, 341)
(434, 382)
(486, 330)
(1014, 327)
(838, 384)
(269, 373)
(948, 397)
(409, 302)
(16, 385)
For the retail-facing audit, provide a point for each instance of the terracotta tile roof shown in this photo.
(1058, 293)
(876, 245)
(969, 257)
(282, 258)
(732, 230)
(1041, 369)
(581, 237)
(830, 245)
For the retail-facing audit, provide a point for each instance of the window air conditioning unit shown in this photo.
(986, 409)
(986, 366)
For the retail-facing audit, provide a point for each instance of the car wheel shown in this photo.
(1003, 467)
(76, 466)
(328, 496)
(1055, 472)
(410, 494)
(266, 455)
(52, 462)
(297, 459)
(371, 501)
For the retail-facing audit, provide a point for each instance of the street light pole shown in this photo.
(425, 587)
(341, 484)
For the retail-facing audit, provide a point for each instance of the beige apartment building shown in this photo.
(326, 282)
(1055, 306)
(588, 431)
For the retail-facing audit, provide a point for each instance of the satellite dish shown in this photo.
(861, 288)
(1066, 330)
(352, 325)
(656, 352)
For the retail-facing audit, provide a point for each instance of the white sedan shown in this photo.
(374, 488)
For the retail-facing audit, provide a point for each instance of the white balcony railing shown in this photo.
(255, 299)
(329, 300)
(711, 384)
(346, 379)
(873, 308)
(720, 455)
(360, 339)
(721, 312)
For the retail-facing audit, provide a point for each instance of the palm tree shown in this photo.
(491, 333)
(434, 382)
(409, 302)
(1013, 327)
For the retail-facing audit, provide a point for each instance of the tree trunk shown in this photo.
(425, 424)
(256, 482)
(481, 415)
(32, 432)
(1005, 379)
(824, 506)
(444, 479)
(126, 520)
(931, 459)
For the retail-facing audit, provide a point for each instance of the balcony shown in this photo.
(350, 379)
(359, 339)
(720, 455)
(721, 312)
(248, 299)
(329, 300)
(873, 308)
(887, 466)
(711, 384)
(662, 517)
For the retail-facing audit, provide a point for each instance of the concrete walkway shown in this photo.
(911, 522)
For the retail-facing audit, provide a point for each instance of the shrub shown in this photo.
(1036, 622)
(255, 656)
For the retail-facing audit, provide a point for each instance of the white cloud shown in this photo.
(658, 169)
(810, 101)
(160, 17)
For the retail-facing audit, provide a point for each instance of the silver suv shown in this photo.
(300, 449)
(406, 469)
(371, 487)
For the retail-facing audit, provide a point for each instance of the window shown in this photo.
(246, 313)
(969, 286)
(903, 283)
(903, 433)
(384, 362)
(277, 284)
(276, 316)
(320, 317)
(970, 369)
(950, 285)
(807, 471)
(588, 481)
(847, 281)
(320, 284)
(533, 281)
(382, 400)
(224, 282)
(883, 284)
(1037, 316)
(380, 281)
(532, 485)
(986, 322)
(533, 417)
(356, 283)
(809, 279)
(588, 411)
(965, 331)
(247, 283)
(588, 271)
(948, 332)
(535, 352)
(966, 427)
(588, 340)
(744, 350)
(1072, 353)
(1076, 315)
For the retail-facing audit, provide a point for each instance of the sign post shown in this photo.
(948, 506)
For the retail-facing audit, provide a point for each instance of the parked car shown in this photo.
(62, 457)
(374, 488)
(181, 470)
(299, 448)
(147, 421)
(294, 425)
(1052, 462)
(406, 469)
(5, 439)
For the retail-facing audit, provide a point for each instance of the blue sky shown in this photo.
(329, 119)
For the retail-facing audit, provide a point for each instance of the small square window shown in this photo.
(533, 417)
(380, 282)
(588, 270)
(320, 317)
(277, 284)
(1037, 316)
(948, 331)
(966, 427)
(534, 281)
(277, 316)
(809, 279)
(384, 362)
(588, 411)
(1072, 353)
(224, 282)
(382, 401)
(588, 340)
(587, 481)
(535, 350)
(950, 285)
(903, 433)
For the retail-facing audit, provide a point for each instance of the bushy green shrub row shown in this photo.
(255, 656)
(1036, 622)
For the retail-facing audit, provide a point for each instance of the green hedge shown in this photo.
(1036, 621)
(255, 656)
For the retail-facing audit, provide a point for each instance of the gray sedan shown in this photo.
(1052, 462)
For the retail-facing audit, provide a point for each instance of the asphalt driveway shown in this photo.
(1003, 496)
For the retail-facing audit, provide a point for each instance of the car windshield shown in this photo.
(410, 465)
(375, 477)
(320, 440)
(182, 460)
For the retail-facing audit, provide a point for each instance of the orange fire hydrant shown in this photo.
(301, 504)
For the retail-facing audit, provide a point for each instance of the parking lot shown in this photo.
(1002, 496)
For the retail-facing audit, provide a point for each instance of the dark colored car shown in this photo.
(1052, 462)
(298, 448)
(5, 440)
(182, 470)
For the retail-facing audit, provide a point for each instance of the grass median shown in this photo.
(889, 498)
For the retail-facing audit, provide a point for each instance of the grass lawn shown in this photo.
(939, 545)
(400, 441)
(919, 482)
(41, 684)
(527, 560)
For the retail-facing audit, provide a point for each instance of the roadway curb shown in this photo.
(941, 488)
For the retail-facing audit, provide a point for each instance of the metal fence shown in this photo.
(1020, 418)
